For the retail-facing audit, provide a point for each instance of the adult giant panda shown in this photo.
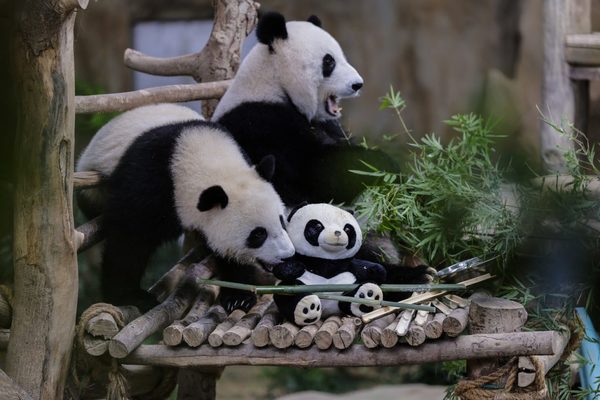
(162, 178)
(284, 100)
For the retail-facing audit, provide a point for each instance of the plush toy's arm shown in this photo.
(289, 270)
(367, 271)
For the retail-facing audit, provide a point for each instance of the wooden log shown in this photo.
(491, 315)
(4, 336)
(5, 312)
(89, 234)
(10, 390)
(324, 336)
(170, 279)
(406, 317)
(198, 383)
(44, 245)
(260, 334)
(421, 317)
(134, 333)
(562, 99)
(173, 334)
(389, 337)
(456, 322)
(527, 369)
(344, 337)
(415, 336)
(584, 73)
(583, 49)
(86, 179)
(197, 332)
(465, 347)
(94, 346)
(243, 328)
(282, 336)
(371, 333)
(434, 328)
(102, 325)
(215, 339)
(306, 335)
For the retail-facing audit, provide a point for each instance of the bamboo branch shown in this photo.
(386, 303)
(463, 347)
(163, 94)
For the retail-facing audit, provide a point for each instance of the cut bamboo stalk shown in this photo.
(134, 333)
(243, 328)
(458, 300)
(421, 317)
(371, 333)
(94, 346)
(450, 304)
(404, 322)
(344, 337)
(260, 334)
(283, 336)
(441, 306)
(434, 328)
(173, 334)
(197, 332)
(455, 323)
(420, 298)
(306, 335)
(389, 337)
(415, 336)
(169, 281)
(324, 336)
(215, 339)
(90, 234)
(375, 303)
(461, 348)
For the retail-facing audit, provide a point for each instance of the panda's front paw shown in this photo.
(232, 300)
(308, 310)
(367, 291)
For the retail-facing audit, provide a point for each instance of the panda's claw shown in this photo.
(308, 310)
(367, 291)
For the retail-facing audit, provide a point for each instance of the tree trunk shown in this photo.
(45, 263)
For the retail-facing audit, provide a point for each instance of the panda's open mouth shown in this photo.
(332, 106)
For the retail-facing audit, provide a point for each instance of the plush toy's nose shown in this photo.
(337, 233)
(356, 86)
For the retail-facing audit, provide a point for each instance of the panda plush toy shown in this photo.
(167, 170)
(326, 239)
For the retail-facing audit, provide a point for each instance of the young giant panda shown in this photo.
(284, 100)
(183, 175)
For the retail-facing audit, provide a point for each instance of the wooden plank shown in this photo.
(583, 49)
(464, 347)
(584, 73)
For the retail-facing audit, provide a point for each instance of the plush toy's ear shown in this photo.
(299, 206)
(313, 19)
(211, 197)
(271, 26)
(266, 167)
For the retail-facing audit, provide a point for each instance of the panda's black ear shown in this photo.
(212, 197)
(349, 210)
(266, 167)
(299, 206)
(271, 26)
(313, 19)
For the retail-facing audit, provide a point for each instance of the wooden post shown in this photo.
(562, 98)
(198, 384)
(44, 249)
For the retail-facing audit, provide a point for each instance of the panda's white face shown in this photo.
(324, 231)
(299, 61)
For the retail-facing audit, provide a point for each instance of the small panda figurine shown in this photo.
(326, 239)
(167, 170)
(285, 101)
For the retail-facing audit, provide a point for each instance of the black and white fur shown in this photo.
(284, 100)
(326, 239)
(183, 175)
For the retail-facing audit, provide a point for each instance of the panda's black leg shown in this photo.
(421, 274)
(300, 309)
(123, 264)
(366, 291)
(232, 299)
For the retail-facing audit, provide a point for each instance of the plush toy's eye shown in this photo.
(256, 238)
(312, 230)
(351, 232)
(328, 65)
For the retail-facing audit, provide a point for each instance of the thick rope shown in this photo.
(474, 389)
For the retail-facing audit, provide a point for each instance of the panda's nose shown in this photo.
(356, 86)
(337, 233)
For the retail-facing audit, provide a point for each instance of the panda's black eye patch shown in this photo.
(351, 232)
(328, 65)
(256, 238)
(312, 230)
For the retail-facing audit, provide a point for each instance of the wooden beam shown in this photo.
(86, 179)
(89, 234)
(461, 348)
(44, 246)
(584, 73)
(11, 391)
(583, 49)
(562, 99)
(526, 376)
(162, 94)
